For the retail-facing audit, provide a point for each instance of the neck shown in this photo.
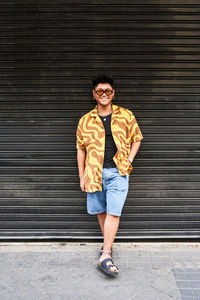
(102, 109)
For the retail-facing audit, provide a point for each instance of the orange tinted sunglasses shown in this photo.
(100, 92)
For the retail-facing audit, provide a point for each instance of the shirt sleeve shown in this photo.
(79, 137)
(135, 132)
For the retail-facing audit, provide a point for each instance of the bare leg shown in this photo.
(101, 218)
(111, 225)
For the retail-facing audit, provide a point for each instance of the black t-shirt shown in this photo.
(110, 147)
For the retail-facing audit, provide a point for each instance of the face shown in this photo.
(103, 99)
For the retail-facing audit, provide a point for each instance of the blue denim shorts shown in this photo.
(113, 195)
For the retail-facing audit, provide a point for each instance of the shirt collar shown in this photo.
(115, 110)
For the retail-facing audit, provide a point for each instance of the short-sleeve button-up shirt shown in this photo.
(90, 135)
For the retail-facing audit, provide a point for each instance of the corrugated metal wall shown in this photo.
(49, 52)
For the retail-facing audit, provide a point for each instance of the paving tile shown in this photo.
(151, 294)
(174, 293)
(3, 288)
(134, 286)
(167, 262)
(121, 293)
(162, 285)
(197, 292)
(143, 253)
(193, 276)
(7, 296)
(183, 284)
(187, 292)
(195, 284)
(178, 271)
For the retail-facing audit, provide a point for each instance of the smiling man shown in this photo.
(108, 139)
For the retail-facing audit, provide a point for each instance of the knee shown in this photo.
(102, 213)
(114, 216)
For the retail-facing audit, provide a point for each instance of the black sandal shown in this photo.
(106, 268)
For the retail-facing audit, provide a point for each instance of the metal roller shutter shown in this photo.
(49, 52)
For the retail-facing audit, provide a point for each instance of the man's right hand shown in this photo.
(82, 184)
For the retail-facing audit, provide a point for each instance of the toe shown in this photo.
(114, 269)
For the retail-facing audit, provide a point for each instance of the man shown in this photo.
(108, 139)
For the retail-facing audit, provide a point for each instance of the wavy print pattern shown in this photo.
(90, 135)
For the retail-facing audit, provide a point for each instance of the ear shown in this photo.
(113, 92)
(93, 92)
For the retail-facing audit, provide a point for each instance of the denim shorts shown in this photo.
(113, 195)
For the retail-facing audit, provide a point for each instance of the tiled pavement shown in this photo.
(147, 271)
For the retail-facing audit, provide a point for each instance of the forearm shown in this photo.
(81, 154)
(134, 149)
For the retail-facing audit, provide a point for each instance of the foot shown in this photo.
(104, 256)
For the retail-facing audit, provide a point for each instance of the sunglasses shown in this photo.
(100, 92)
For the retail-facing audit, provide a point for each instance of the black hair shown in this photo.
(102, 79)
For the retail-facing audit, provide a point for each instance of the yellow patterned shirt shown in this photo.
(90, 135)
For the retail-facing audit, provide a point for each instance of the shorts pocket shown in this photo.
(119, 182)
